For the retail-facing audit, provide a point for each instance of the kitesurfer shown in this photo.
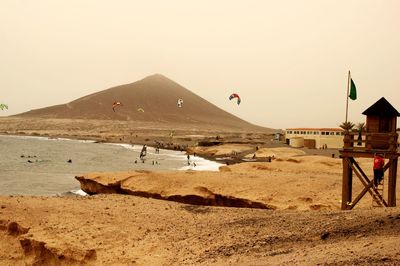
(143, 152)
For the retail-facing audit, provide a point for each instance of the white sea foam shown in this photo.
(79, 192)
(49, 138)
(201, 164)
(196, 163)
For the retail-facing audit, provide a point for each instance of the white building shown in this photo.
(315, 137)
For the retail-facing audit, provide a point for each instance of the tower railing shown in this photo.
(370, 142)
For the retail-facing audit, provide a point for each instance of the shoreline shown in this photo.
(119, 143)
(189, 150)
(47, 160)
(174, 136)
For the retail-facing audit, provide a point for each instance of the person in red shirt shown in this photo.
(379, 162)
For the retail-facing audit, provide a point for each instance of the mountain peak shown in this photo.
(157, 76)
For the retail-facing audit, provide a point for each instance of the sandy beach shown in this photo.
(254, 213)
(127, 230)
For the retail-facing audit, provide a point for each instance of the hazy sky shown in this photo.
(287, 59)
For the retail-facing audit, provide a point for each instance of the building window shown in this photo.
(337, 133)
(323, 133)
(332, 133)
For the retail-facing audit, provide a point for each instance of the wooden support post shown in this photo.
(363, 192)
(368, 184)
(392, 183)
(347, 183)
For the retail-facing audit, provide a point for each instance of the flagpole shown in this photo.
(347, 95)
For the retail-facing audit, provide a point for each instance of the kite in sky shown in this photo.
(235, 95)
(180, 102)
(115, 104)
(3, 106)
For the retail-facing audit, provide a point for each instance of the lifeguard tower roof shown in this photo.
(381, 108)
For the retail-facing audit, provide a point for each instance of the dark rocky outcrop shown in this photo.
(200, 195)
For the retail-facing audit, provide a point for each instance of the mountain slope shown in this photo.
(156, 95)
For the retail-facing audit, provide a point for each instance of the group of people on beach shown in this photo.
(188, 160)
(143, 154)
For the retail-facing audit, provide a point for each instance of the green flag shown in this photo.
(353, 91)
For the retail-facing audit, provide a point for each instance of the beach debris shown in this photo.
(180, 102)
(116, 104)
(3, 106)
(140, 110)
(69, 161)
(235, 95)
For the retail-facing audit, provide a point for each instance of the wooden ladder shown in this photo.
(376, 202)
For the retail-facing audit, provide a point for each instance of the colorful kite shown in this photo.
(235, 95)
(115, 104)
(3, 106)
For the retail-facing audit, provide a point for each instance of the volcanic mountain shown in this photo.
(152, 99)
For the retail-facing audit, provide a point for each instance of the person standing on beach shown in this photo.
(143, 152)
(188, 158)
(379, 162)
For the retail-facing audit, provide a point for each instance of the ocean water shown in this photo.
(39, 166)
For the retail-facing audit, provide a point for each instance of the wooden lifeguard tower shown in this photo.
(380, 137)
